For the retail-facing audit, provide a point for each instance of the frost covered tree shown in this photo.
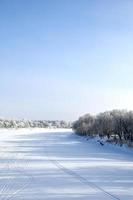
(116, 124)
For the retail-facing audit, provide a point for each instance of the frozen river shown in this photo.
(58, 165)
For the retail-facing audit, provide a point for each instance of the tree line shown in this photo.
(115, 125)
(4, 123)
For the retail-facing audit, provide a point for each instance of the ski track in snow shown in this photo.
(56, 164)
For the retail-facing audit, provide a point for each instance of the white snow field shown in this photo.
(58, 165)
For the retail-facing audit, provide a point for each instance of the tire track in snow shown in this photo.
(6, 165)
(82, 179)
(20, 170)
(29, 178)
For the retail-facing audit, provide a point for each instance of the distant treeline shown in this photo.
(115, 125)
(33, 124)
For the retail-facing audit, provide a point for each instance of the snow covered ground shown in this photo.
(58, 165)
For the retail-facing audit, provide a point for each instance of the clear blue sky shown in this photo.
(62, 58)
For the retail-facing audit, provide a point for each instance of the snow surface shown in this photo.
(42, 164)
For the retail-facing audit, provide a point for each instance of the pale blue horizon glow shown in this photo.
(60, 59)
